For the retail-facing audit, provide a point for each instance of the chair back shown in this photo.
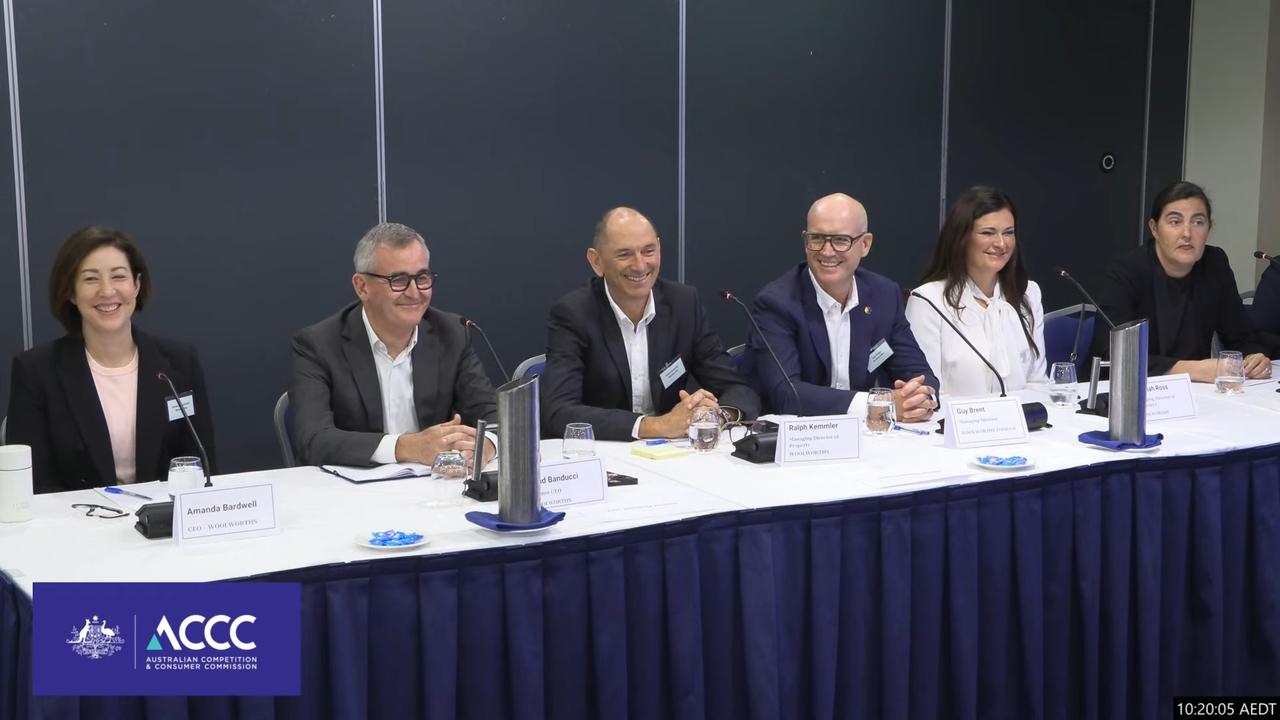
(531, 366)
(1060, 336)
(282, 418)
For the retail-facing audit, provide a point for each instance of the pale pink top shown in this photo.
(118, 393)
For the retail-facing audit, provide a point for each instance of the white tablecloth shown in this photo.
(322, 515)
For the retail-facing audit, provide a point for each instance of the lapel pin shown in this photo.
(866, 309)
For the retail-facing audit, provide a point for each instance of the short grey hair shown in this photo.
(393, 235)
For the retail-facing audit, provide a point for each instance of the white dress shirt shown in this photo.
(839, 332)
(395, 382)
(635, 338)
(995, 330)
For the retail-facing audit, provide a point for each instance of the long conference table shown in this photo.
(907, 584)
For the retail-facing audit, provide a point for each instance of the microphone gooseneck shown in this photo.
(466, 322)
(204, 456)
(1062, 273)
(726, 295)
(981, 357)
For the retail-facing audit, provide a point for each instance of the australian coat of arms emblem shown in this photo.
(95, 640)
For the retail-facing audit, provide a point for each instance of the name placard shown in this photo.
(979, 422)
(1169, 397)
(571, 482)
(230, 513)
(822, 438)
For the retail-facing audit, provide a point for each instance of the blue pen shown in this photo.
(655, 442)
(122, 491)
(913, 431)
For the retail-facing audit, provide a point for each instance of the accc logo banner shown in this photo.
(166, 639)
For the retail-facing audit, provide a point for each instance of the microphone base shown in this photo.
(1103, 404)
(485, 489)
(1036, 415)
(758, 448)
(155, 520)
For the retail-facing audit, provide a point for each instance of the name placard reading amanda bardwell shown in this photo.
(230, 513)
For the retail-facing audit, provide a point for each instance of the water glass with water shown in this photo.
(1062, 384)
(880, 411)
(704, 429)
(447, 471)
(579, 441)
(185, 473)
(1229, 379)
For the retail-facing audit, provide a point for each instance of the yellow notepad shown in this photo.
(666, 451)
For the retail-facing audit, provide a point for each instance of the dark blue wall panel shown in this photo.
(511, 128)
(236, 142)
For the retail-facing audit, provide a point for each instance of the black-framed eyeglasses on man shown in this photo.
(101, 511)
(813, 241)
(400, 281)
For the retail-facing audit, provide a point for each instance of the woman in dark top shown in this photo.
(90, 404)
(1184, 288)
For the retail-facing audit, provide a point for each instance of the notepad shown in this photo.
(660, 452)
(390, 471)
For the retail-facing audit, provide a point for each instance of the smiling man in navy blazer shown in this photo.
(838, 329)
(629, 353)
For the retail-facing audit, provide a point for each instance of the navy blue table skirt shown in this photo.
(1096, 592)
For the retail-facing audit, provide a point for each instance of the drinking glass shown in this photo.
(1062, 384)
(1229, 380)
(704, 429)
(880, 411)
(447, 472)
(185, 473)
(579, 441)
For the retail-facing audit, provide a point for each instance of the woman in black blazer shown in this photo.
(1184, 288)
(90, 403)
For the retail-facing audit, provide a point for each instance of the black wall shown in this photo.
(10, 266)
(237, 143)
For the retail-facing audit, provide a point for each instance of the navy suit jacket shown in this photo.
(1266, 301)
(54, 408)
(788, 313)
(588, 377)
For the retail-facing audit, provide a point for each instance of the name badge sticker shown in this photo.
(879, 354)
(672, 372)
(188, 404)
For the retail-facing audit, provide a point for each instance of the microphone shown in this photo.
(981, 357)
(1062, 272)
(726, 295)
(204, 456)
(468, 323)
(1263, 256)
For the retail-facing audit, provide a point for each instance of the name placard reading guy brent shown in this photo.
(822, 438)
(984, 421)
(1169, 397)
(221, 638)
(230, 513)
(571, 482)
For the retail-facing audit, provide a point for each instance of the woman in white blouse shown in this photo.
(978, 279)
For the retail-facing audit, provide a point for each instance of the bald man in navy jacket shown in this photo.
(838, 329)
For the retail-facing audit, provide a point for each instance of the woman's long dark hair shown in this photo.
(949, 261)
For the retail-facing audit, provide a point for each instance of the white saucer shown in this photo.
(1030, 463)
(363, 540)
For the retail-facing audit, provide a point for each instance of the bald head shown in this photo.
(837, 214)
(623, 220)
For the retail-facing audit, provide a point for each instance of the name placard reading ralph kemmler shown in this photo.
(821, 438)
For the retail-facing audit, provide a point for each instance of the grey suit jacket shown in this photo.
(336, 400)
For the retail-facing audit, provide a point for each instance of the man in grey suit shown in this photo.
(388, 378)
